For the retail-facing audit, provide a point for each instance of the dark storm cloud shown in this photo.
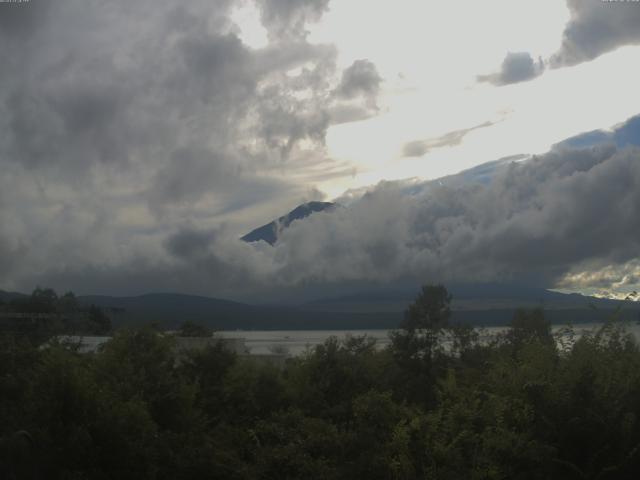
(189, 242)
(558, 210)
(10, 255)
(538, 221)
(103, 91)
(134, 135)
(535, 220)
(19, 21)
(516, 67)
(193, 176)
(121, 121)
(597, 27)
(189, 175)
(417, 148)
(71, 102)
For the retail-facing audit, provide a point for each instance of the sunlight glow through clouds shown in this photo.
(530, 117)
(429, 66)
(429, 54)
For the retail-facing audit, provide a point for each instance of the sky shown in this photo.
(140, 140)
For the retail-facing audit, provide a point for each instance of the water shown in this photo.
(296, 342)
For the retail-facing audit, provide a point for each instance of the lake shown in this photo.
(297, 341)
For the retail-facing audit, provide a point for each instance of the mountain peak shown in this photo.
(270, 231)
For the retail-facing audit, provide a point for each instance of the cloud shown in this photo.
(356, 96)
(119, 125)
(361, 78)
(80, 94)
(418, 148)
(536, 220)
(9, 255)
(542, 222)
(189, 242)
(517, 67)
(597, 27)
(19, 22)
(604, 276)
(623, 135)
(287, 18)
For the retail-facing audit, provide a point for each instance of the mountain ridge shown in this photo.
(269, 232)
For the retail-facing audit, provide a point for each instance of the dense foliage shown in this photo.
(50, 314)
(440, 402)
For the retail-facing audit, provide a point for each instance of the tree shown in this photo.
(529, 326)
(99, 322)
(67, 303)
(207, 369)
(42, 300)
(417, 344)
(192, 329)
(430, 311)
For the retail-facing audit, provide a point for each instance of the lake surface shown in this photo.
(297, 341)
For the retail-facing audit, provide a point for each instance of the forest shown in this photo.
(440, 402)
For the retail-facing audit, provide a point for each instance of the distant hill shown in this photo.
(475, 304)
(486, 304)
(270, 232)
(481, 305)
(170, 310)
(466, 297)
(8, 296)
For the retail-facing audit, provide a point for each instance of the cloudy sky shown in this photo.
(140, 140)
